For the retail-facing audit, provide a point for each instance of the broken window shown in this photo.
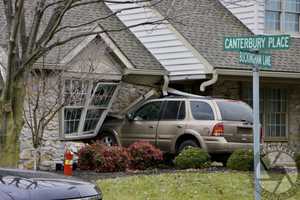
(87, 103)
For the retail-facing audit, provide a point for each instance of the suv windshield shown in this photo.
(235, 111)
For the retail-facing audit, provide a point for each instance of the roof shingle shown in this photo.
(204, 23)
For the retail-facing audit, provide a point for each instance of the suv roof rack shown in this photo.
(173, 93)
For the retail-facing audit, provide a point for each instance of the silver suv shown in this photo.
(175, 122)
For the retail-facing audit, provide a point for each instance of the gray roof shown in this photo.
(135, 52)
(204, 23)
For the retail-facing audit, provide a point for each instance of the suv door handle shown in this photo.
(179, 126)
(151, 126)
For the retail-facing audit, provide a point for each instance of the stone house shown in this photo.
(186, 54)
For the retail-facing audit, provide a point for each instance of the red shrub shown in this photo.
(89, 157)
(86, 158)
(140, 155)
(144, 155)
(115, 159)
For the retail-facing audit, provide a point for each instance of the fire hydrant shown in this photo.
(68, 164)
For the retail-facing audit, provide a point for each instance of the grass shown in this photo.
(181, 186)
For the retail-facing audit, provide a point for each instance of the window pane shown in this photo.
(202, 111)
(75, 92)
(291, 22)
(272, 21)
(92, 119)
(277, 103)
(149, 112)
(174, 110)
(103, 95)
(273, 5)
(235, 111)
(292, 5)
(72, 119)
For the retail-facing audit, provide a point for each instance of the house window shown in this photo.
(86, 104)
(282, 15)
(273, 110)
(277, 113)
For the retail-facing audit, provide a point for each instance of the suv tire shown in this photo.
(185, 144)
(108, 139)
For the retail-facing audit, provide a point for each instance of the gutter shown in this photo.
(212, 81)
(165, 85)
(271, 74)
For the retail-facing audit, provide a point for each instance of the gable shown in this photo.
(165, 43)
(95, 57)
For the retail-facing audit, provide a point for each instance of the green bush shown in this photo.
(192, 157)
(241, 160)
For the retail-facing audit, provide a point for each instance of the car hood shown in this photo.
(20, 188)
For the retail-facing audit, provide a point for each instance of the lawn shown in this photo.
(180, 186)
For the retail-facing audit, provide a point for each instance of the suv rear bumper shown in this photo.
(220, 145)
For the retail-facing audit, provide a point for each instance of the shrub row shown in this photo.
(140, 155)
(143, 155)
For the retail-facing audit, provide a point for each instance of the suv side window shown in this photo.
(148, 112)
(174, 110)
(202, 110)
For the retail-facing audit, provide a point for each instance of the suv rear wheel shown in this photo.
(108, 139)
(187, 143)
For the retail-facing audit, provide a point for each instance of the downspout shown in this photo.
(212, 81)
(165, 85)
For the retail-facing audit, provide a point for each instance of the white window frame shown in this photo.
(282, 12)
(80, 133)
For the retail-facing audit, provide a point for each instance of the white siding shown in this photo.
(250, 12)
(165, 44)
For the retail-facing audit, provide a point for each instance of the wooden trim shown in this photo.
(267, 74)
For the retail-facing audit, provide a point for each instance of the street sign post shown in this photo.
(248, 46)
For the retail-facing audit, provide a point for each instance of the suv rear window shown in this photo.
(235, 111)
(201, 111)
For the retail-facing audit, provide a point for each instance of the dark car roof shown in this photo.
(21, 187)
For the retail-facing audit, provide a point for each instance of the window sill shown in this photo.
(292, 34)
(275, 139)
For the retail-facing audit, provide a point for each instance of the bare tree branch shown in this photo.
(103, 18)
(8, 9)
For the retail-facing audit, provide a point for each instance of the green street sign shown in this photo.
(257, 42)
(262, 60)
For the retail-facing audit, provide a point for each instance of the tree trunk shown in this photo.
(12, 122)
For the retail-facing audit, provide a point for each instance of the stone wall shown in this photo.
(226, 89)
(294, 118)
(127, 94)
(51, 151)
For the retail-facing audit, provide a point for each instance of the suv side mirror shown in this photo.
(129, 116)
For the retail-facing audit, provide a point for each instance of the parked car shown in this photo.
(29, 185)
(174, 122)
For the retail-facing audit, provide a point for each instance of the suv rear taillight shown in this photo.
(218, 130)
